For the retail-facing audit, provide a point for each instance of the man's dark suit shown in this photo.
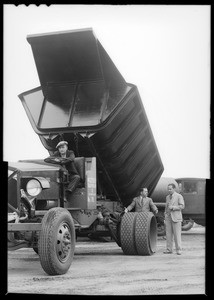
(142, 204)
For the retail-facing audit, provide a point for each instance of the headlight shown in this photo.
(33, 187)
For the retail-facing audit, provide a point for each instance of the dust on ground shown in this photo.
(101, 268)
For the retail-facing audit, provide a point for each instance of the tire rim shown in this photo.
(63, 247)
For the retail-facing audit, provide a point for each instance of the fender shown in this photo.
(45, 184)
(188, 225)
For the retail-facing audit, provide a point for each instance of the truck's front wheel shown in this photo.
(57, 241)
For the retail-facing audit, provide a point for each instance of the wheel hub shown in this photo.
(63, 242)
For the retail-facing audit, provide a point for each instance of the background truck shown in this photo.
(84, 100)
(193, 191)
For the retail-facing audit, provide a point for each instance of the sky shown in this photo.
(163, 49)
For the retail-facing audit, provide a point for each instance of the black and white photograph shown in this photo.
(106, 137)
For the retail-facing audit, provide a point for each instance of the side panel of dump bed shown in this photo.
(127, 148)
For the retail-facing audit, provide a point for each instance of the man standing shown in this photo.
(173, 219)
(142, 203)
(65, 157)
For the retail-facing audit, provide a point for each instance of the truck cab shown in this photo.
(194, 192)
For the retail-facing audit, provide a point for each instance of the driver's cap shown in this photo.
(61, 144)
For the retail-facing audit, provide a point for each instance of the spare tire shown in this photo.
(138, 233)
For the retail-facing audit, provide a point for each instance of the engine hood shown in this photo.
(26, 166)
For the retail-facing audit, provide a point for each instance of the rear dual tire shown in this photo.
(138, 233)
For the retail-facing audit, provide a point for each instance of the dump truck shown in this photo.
(84, 100)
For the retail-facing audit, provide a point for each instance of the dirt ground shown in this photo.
(101, 268)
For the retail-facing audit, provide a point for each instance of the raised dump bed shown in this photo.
(84, 100)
